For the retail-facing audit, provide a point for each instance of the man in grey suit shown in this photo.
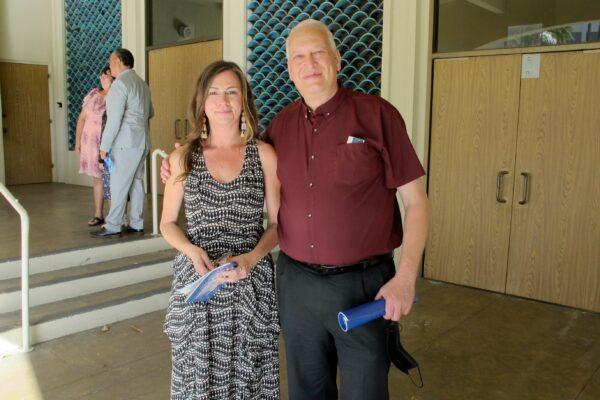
(126, 135)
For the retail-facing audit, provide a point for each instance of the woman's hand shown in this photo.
(202, 263)
(245, 263)
(78, 147)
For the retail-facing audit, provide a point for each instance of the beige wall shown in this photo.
(25, 31)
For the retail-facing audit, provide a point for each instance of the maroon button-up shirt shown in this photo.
(338, 199)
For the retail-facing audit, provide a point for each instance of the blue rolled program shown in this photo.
(362, 314)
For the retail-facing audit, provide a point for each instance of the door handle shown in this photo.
(525, 197)
(185, 128)
(499, 179)
(175, 128)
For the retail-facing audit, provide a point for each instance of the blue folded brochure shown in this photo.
(108, 163)
(204, 288)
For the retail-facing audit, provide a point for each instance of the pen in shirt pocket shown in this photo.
(352, 140)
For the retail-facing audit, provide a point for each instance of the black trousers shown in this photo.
(314, 343)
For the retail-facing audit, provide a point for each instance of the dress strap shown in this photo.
(252, 149)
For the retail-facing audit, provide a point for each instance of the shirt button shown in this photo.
(312, 157)
(312, 246)
(310, 185)
(315, 130)
(309, 215)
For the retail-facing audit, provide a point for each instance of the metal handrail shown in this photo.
(25, 345)
(155, 154)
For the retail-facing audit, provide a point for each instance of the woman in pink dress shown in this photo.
(87, 142)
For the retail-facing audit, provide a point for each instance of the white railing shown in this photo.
(154, 173)
(24, 265)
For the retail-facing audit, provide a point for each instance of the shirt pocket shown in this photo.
(356, 163)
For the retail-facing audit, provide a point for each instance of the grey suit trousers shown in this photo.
(126, 178)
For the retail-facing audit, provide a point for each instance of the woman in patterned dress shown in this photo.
(87, 141)
(227, 347)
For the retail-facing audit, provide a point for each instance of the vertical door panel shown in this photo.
(555, 240)
(172, 75)
(473, 138)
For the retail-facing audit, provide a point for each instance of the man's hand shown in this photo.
(399, 294)
(102, 154)
(165, 168)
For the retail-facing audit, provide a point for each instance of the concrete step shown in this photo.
(76, 281)
(107, 249)
(64, 317)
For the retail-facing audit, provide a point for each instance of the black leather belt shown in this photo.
(323, 269)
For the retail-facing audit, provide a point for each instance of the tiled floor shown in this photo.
(58, 216)
(471, 344)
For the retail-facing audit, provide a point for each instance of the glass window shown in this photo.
(464, 25)
(173, 22)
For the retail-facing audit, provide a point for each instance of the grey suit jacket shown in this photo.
(128, 108)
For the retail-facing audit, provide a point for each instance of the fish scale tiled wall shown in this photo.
(357, 26)
(93, 31)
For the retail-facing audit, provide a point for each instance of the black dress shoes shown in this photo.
(133, 230)
(103, 233)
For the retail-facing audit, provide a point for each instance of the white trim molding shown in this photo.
(133, 32)
(405, 64)
(58, 84)
(235, 25)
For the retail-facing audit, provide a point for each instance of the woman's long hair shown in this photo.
(196, 112)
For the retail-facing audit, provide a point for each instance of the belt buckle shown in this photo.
(325, 269)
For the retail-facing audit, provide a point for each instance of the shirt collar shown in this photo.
(330, 106)
(126, 70)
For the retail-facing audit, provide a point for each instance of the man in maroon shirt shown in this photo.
(342, 157)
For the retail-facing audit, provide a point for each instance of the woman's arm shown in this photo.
(269, 238)
(172, 199)
(78, 131)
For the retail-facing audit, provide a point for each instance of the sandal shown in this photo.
(95, 221)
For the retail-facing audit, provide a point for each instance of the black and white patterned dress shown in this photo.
(225, 348)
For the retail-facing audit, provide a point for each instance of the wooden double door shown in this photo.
(172, 76)
(514, 177)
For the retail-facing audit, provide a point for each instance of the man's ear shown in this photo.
(339, 60)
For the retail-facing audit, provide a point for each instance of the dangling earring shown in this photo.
(204, 131)
(243, 125)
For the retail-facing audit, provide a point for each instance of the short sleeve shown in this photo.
(401, 163)
(89, 97)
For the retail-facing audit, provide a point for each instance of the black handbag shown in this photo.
(398, 354)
